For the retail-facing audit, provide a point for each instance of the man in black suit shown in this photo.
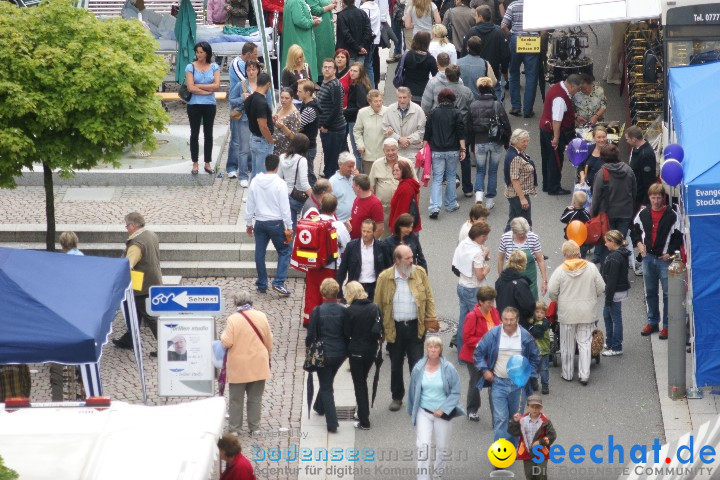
(363, 259)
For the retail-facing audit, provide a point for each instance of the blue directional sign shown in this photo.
(184, 299)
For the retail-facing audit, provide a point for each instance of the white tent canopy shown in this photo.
(543, 14)
(122, 442)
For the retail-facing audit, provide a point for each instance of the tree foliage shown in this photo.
(7, 473)
(75, 90)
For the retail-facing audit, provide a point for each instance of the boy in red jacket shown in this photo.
(536, 434)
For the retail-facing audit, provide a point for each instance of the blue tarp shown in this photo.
(56, 307)
(695, 101)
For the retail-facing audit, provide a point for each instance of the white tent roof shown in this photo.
(121, 442)
(543, 14)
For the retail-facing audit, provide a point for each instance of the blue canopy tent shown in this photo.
(60, 308)
(695, 101)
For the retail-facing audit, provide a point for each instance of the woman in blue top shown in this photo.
(433, 400)
(202, 78)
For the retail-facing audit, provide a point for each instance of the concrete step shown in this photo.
(191, 269)
(176, 252)
(35, 232)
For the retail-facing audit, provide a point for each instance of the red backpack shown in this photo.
(315, 244)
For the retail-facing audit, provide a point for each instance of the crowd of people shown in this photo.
(455, 59)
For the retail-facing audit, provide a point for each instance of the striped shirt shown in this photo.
(529, 429)
(508, 245)
(513, 19)
(404, 306)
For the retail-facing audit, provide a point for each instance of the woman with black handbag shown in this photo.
(365, 332)
(294, 170)
(329, 324)
(433, 400)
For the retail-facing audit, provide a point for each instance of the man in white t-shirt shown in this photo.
(469, 263)
(478, 214)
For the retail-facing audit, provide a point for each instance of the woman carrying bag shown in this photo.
(294, 170)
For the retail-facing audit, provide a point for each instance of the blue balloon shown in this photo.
(674, 151)
(218, 353)
(518, 370)
(577, 151)
(671, 172)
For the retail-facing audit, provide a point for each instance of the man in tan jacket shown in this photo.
(405, 298)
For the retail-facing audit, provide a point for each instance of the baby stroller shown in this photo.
(598, 338)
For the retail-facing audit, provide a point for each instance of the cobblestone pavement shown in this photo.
(282, 401)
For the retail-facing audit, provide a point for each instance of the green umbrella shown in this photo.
(185, 28)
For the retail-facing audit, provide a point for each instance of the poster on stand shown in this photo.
(185, 366)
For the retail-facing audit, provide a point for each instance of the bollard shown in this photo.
(676, 328)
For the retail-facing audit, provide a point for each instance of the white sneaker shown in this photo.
(479, 197)
(232, 174)
(490, 203)
(243, 183)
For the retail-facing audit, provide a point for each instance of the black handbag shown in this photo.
(295, 194)
(184, 92)
(314, 354)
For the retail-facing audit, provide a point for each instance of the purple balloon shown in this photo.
(671, 172)
(674, 151)
(577, 151)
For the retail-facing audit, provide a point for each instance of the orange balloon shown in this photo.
(577, 231)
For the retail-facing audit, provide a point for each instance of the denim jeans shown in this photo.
(368, 63)
(259, 149)
(545, 369)
(530, 62)
(239, 149)
(358, 157)
(487, 155)
(444, 167)
(500, 88)
(507, 400)
(655, 270)
(397, 28)
(622, 225)
(311, 153)
(266, 232)
(295, 209)
(332, 142)
(613, 325)
(467, 298)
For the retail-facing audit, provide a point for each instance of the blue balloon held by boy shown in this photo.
(518, 370)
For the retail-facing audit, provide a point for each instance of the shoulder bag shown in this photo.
(399, 77)
(298, 195)
(599, 225)
(315, 353)
(257, 332)
(184, 92)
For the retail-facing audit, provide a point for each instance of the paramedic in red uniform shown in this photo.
(313, 278)
(557, 128)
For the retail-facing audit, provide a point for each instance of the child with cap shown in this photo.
(536, 434)
(539, 328)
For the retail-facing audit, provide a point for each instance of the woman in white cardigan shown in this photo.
(294, 170)
(576, 286)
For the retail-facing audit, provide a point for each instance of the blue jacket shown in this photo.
(451, 383)
(486, 353)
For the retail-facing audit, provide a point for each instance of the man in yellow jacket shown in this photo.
(406, 302)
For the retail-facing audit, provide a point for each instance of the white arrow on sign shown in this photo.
(184, 299)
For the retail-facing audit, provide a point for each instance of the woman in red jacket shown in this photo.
(478, 322)
(406, 198)
(237, 467)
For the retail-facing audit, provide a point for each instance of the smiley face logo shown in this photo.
(501, 453)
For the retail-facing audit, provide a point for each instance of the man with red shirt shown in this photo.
(656, 234)
(557, 128)
(366, 205)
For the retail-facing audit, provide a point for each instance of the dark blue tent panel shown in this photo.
(56, 307)
(706, 298)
